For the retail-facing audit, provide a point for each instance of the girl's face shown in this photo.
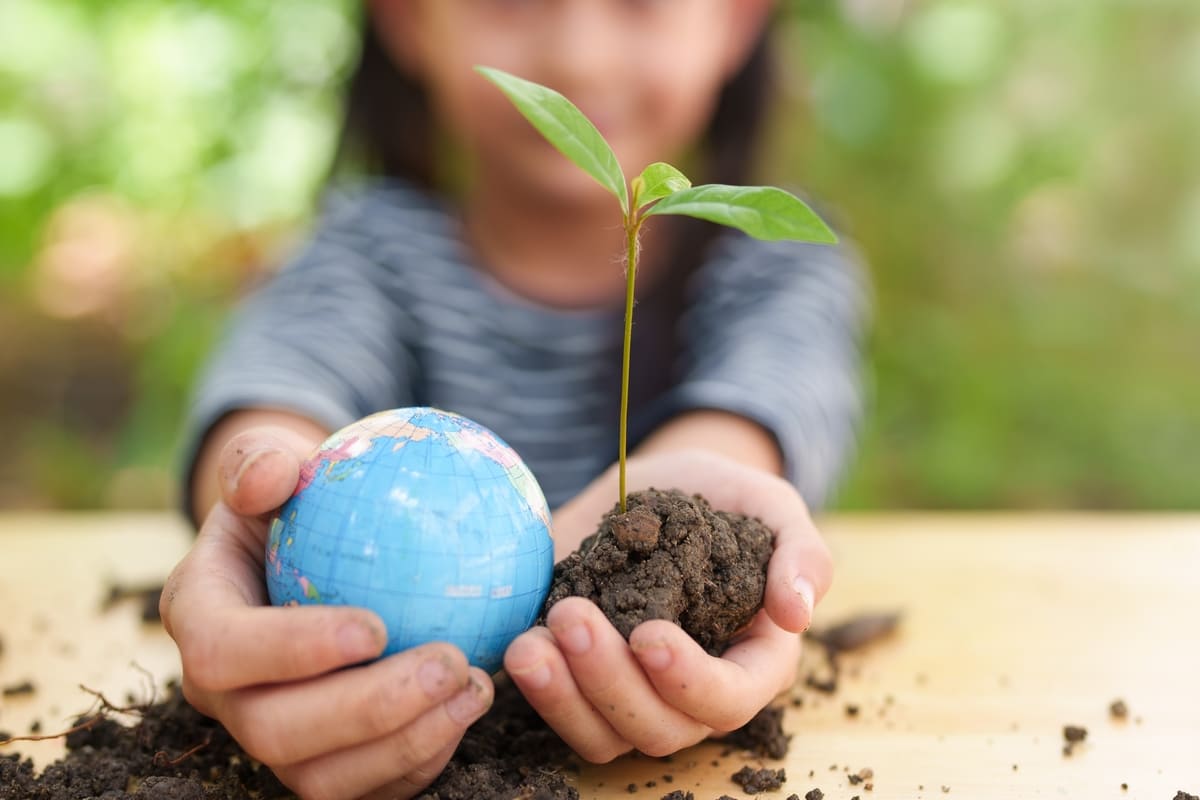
(646, 72)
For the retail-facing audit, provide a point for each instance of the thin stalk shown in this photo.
(632, 224)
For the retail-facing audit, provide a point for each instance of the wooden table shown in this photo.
(1014, 626)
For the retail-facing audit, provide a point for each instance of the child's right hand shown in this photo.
(276, 677)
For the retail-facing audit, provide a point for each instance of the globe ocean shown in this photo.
(425, 517)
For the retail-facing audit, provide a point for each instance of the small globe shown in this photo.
(425, 517)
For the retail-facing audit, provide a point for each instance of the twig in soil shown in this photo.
(41, 737)
(91, 717)
(108, 705)
(149, 682)
(161, 760)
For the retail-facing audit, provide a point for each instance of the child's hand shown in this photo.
(661, 692)
(274, 676)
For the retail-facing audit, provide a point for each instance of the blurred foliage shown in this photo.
(1022, 177)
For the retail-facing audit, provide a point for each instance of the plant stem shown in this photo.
(632, 224)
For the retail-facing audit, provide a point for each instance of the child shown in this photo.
(490, 288)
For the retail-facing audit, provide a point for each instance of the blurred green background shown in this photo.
(1023, 177)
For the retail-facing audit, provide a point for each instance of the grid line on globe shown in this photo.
(427, 516)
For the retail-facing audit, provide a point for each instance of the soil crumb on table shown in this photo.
(671, 556)
(18, 689)
(1072, 736)
(759, 780)
(763, 735)
(146, 596)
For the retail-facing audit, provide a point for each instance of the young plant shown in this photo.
(764, 212)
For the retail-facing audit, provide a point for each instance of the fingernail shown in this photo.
(248, 460)
(536, 677)
(805, 589)
(359, 641)
(575, 639)
(434, 677)
(468, 704)
(653, 655)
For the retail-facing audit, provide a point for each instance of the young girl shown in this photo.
(477, 272)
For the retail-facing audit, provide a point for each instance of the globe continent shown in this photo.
(425, 517)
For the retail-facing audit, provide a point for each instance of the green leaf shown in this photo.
(656, 182)
(565, 127)
(763, 212)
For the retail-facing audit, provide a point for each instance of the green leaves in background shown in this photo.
(565, 127)
(1011, 184)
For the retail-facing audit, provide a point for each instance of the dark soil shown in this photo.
(509, 753)
(1072, 736)
(671, 556)
(754, 781)
(24, 687)
(175, 752)
(763, 735)
(146, 596)
(171, 752)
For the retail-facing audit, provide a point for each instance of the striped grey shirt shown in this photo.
(384, 308)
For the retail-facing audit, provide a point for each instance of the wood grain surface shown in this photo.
(1013, 626)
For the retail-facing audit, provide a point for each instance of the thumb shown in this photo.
(259, 469)
(798, 576)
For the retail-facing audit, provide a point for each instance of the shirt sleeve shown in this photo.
(773, 332)
(324, 338)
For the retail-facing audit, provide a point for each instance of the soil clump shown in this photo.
(671, 556)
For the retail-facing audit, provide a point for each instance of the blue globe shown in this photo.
(426, 518)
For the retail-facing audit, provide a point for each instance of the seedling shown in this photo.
(764, 212)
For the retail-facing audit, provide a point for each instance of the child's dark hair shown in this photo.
(389, 130)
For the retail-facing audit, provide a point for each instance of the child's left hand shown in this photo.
(660, 691)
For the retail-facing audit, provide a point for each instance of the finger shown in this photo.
(417, 779)
(359, 770)
(232, 648)
(258, 470)
(540, 671)
(612, 680)
(343, 709)
(798, 575)
(227, 640)
(227, 557)
(721, 693)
